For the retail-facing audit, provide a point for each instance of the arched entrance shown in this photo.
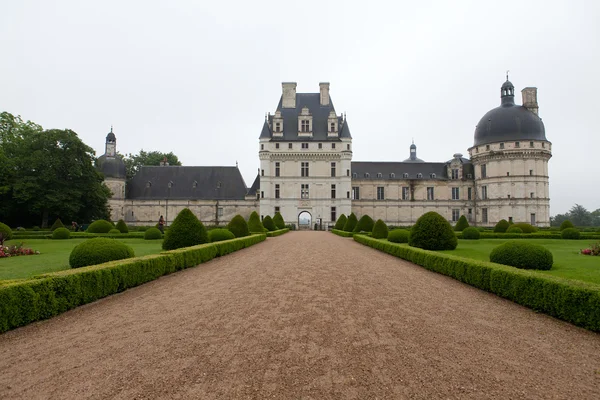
(304, 220)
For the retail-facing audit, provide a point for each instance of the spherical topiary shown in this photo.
(339, 225)
(61, 233)
(350, 223)
(114, 231)
(6, 232)
(278, 220)
(514, 229)
(186, 230)
(122, 226)
(433, 232)
(566, 225)
(380, 230)
(100, 226)
(399, 236)
(520, 254)
(570, 233)
(502, 226)
(461, 224)
(152, 234)
(471, 233)
(525, 227)
(97, 251)
(269, 224)
(57, 224)
(218, 235)
(365, 224)
(238, 226)
(255, 224)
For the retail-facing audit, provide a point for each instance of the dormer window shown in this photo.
(277, 127)
(379, 175)
(432, 175)
(170, 184)
(367, 175)
(305, 125)
(392, 175)
(405, 175)
(332, 127)
(355, 175)
(195, 184)
(419, 175)
(148, 184)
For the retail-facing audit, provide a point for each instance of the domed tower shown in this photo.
(413, 155)
(510, 155)
(113, 168)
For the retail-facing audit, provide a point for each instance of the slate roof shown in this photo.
(398, 169)
(189, 183)
(111, 167)
(255, 186)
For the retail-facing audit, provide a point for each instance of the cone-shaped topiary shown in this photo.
(399, 236)
(502, 226)
(218, 235)
(566, 225)
(351, 223)
(57, 224)
(365, 224)
(152, 234)
(254, 223)
(100, 226)
(461, 224)
(471, 233)
(570, 233)
(61, 233)
(97, 251)
(269, 224)
(185, 230)
(339, 225)
(238, 226)
(433, 232)
(278, 220)
(520, 254)
(380, 230)
(122, 226)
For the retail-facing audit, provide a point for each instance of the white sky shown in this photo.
(197, 77)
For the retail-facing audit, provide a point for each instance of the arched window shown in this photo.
(405, 175)
(392, 175)
(419, 175)
(367, 175)
(379, 175)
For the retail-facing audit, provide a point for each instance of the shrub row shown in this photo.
(278, 232)
(537, 235)
(85, 235)
(26, 301)
(574, 302)
(342, 233)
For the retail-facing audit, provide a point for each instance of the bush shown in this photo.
(471, 233)
(97, 251)
(461, 224)
(122, 226)
(339, 225)
(35, 228)
(433, 232)
(514, 229)
(61, 233)
(502, 226)
(57, 224)
(380, 230)
(114, 231)
(152, 234)
(278, 220)
(570, 233)
(523, 255)
(399, 236)
(342, 233)
(238, 226)
(351, 223)
(566, 225)
(100, 226)
(218, 235)
(525, 227)
(186, 230)
(269, 224)
(5, 233)
(254, 223)
(365, 224)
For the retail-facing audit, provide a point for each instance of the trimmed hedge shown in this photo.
(278, 220)
(570, 233)
(522, 255)
(26, 301)
(571, 301)
(380, 230)
(537, 235)
(278, 232)
(432, 232)
(57, 224)
(471, 234)
(269, 224)
(514, 229)
(342, 233)
(238, 226)
(502, 226)
(339, 224)
(255, 224)
(365, 224)
(527, 228)
(185, 231)
(114, 232)
(61, 233)
(100, 226)
(399, 236)
(7, 233)
(218, 235)
(350, 223)
(153, 234)
(97, 251)
(461, 224)
(122, 226)
(566, 224)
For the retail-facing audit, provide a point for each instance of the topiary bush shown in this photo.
(570, 233)
(399, 236)
(152, 234)
(514, 229)
(100, 226)
(380, 230)
(471, 233)
(269, 224)
(566, 225)
(97, 251)
(520, 254)
(218, 235)
(61, 233)
(502, 226)
(57, 224)
(461, 224)
(238, 226)
(186, 230)
(114, 231)
(350, 223)
(339, 225)
(433, 232)
(525, 227)
(122, 226)
(255, 224)
(5, 233)
(278, 220)
(365, 224)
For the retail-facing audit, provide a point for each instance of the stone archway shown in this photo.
(304, 221)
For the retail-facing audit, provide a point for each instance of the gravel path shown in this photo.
(307, 315)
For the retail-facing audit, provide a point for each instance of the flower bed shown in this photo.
(16, 250)
(594, 250)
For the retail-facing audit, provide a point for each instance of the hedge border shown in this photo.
(342, 233)
(47, 295)
(278, 232)
(83, 235)
(572, 301)
(538, 235)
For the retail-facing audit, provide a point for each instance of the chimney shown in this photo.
(324, 89)
(530, 99)
(289, 94)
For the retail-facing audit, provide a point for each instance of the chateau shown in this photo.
(307, 173)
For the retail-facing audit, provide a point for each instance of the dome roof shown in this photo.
(111, 167)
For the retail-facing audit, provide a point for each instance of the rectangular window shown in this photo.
(333, 169)
(484, 192)
(510, 220)
(262, 172)
(277, 169)
(220, 211)
(501, 145)
(347, 195)
(305, 145)
(455, 173)
(333, 214)
(333, 191)
(320, 145)
(531, 195)
(455, 194)
(469, 193)
(262, 194)
(304, 168)
(380, 193)
(276, 145)
(484, 216)
(332, 127)
(277, 209)
(405, 193)
(455, 214)
(517, 145)
(305, 124)
(333, 145)
(277, 127)
(487, 147)
(355, 193)
(533, 219)
(262, 146)
(530, 172)
(290, 146)
(470, 214)
(304, 191)
(530, 144)
(347, 147)
(430, 193)
(508, 174)
(277, 191)
(483, 171)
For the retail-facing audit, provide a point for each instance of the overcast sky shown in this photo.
(197, 77)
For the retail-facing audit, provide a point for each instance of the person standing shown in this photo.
(161, 224)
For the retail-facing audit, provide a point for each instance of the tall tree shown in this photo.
(133, 162)
(580, 216)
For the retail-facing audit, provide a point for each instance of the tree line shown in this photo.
(579, 216)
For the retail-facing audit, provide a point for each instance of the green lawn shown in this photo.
(568, 263)
(55, 256)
